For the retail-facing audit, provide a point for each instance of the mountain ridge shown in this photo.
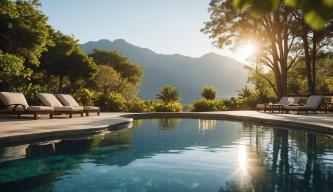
(188, 74)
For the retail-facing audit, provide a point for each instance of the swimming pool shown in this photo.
(174, 155)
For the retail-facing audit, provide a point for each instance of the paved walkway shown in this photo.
(18, 129)
(25, 128)
(324, 120)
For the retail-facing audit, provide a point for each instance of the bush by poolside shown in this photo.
(208, 105)
(168, 107)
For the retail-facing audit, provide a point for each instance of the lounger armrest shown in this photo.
(15, 106)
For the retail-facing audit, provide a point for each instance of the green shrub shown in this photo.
(86, 97)
(209, 92)
(168, 107)
(231, 104)
(208, 105)
(136, 105)
(168, 94)
(150, 104)
(115, 102)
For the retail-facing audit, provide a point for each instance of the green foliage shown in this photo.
(23, 37)
(115, 102)
(107, 79)
(168, 107)
(86, 97)
(12, 67)
(24, 30)
(208, 105)
(130, 72)
(137, 105)
(168, 94)
(316, 13)
(65, 58)
(30, 91)
(209, 92)
(230, 104)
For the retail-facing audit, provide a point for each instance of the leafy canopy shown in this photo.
(316, 12)
(209, 92)
(131, 72)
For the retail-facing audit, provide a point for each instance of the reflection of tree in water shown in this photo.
(168, 123)
(286, 160)
(47, 161)
(137, 123)
(206, 124)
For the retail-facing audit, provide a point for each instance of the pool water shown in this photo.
(173, 155)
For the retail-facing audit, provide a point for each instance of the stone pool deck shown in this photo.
(14, 129)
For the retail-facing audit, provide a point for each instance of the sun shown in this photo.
(246, 50)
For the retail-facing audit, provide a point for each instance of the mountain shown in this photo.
(188, 74)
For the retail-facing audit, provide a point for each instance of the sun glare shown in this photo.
(242, 158)
(244, 51)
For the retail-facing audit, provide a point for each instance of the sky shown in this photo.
(164, 26)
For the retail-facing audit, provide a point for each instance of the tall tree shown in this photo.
(131, 72)
(65, 58)
(231, 27)
(314, 42)
(23, 37)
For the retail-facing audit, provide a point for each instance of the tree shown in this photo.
(209, 92)
(274, 32)
(65, 58)
(23, 38)
(168, 94)
(130, 72)
(314, 42)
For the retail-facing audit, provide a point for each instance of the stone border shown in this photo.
(257, 120)
(54, 135)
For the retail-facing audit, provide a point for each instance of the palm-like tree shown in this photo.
(209, 92)
(245, 93)
(168, 94)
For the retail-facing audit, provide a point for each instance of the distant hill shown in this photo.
(188, 74)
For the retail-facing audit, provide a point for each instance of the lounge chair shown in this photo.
(68, 100)
(16, 104)
(279, 106)
(312, 104)
(51, 101)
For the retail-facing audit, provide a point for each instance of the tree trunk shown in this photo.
(314, 53)
(307, 59)
(61, 81)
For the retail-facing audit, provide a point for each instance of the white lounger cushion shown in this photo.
(90, 108)
(313, 103)
(39, 108)
(68, 108)
(283, 101)
(289, 100)
(67, 100)
(49, 100)
(9, 98)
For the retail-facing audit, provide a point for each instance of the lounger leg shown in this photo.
(70, 115)
(35, 116)
(87, 113)
(81, 114)
(98, 113)
(51, 115)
